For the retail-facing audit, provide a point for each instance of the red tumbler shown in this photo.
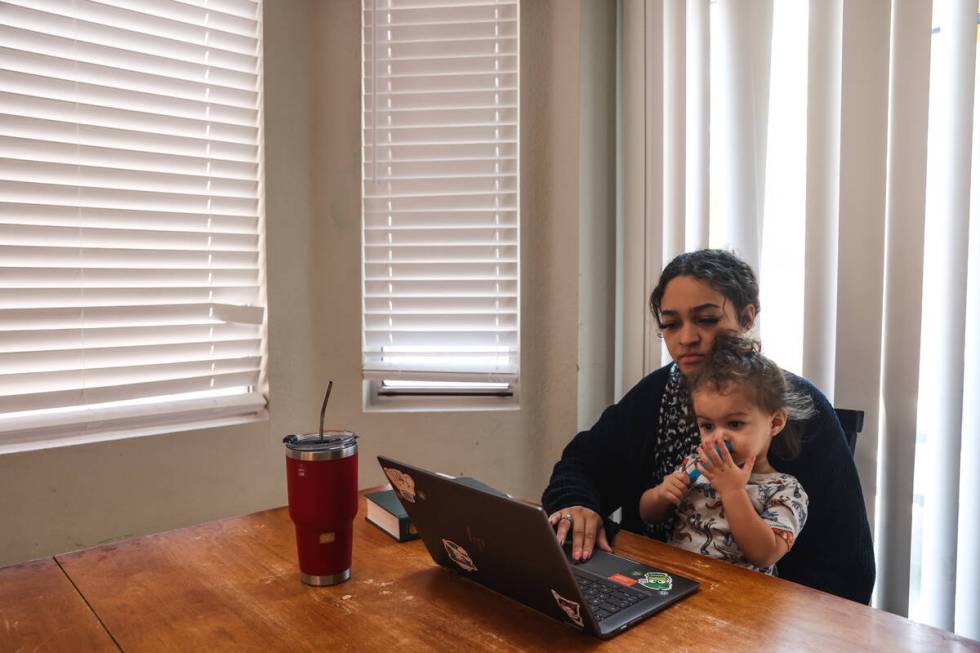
(321, 476)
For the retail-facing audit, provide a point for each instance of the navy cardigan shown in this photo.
(610, 466)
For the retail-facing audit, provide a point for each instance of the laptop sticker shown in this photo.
(570, 608)
(458, 555)
(403, 483)
(623, 580)
(657, 580)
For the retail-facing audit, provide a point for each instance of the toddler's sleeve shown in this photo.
(785, 510)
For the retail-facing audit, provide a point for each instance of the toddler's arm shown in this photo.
(757, 540)
(656, 501)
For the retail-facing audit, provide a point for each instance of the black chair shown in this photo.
(852, 421)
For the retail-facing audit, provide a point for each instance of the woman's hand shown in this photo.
(657, 500)
(586, 529)
(718, 466)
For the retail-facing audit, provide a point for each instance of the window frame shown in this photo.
(123, 420)
(376, 397)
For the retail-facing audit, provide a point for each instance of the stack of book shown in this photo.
(385, 510)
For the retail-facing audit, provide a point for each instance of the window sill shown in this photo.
(375, 403)
(21, 445)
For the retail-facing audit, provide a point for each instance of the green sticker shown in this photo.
(657, 580)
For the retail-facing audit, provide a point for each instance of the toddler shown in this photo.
(738, 509)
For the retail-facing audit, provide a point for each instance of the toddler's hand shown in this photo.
(672, 489)
(721, 471)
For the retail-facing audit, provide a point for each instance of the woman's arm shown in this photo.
(583, 484)
(600, 467)
(599, 463)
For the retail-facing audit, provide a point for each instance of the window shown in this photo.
(130, 215)
(440, 198)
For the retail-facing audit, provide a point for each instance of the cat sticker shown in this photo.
(403, 484)
(459, 555)
(570, 608)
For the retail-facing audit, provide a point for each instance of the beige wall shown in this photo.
(60, 499)
(597, 205)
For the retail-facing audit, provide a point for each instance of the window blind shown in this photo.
(440, 203)
(130, 213)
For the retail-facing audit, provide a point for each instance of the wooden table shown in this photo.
(233, 585)
(41, 610)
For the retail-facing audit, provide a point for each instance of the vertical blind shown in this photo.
(440, 190)
(853, 130)
(130, 213)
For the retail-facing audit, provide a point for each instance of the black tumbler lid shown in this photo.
(310, 446)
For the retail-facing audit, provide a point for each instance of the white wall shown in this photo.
(56, 500)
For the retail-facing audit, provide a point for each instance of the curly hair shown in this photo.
(722, 270)
(737, 360)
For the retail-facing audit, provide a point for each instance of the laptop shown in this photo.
(508, 546)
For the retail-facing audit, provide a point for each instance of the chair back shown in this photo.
(852, 421)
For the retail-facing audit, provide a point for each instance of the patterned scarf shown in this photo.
(677, 437)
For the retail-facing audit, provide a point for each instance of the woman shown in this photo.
(643, 438)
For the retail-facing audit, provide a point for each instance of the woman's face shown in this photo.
(692, 313)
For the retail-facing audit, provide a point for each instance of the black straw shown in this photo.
(323, 408)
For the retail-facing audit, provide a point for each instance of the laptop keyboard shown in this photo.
(606, 597)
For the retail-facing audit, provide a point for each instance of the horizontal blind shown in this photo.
(130, 283)
(440, 190)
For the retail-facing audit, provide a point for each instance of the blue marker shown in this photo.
(691, 468)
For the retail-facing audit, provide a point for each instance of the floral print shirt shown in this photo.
(703, 528)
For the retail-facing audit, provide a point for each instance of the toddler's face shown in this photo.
(730, 416)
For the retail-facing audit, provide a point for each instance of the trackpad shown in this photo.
(607, 564)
